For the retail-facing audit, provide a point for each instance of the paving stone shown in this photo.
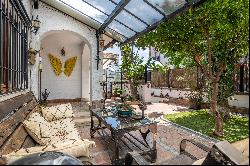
(168, 137)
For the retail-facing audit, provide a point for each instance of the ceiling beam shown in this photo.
(109, 44)
(155, 8)
(108, 15)
(114, 13)
(131, 13)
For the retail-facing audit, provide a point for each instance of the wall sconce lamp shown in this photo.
(35, 25)
(32, 56)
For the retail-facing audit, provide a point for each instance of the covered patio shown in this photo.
(54, 87)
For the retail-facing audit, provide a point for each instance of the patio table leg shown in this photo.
(92, 127)
(117, 137)
(153, 129)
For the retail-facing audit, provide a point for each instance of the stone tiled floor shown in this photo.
(168, 136)
(168, 141)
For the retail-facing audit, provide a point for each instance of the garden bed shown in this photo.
(235, 128)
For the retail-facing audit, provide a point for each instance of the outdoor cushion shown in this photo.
(57, 112)
(75, 148)
(38, 128)
(63, 130)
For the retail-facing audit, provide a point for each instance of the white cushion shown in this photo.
(57, 112)
(75, 148)
(63, 130)
(38, 128)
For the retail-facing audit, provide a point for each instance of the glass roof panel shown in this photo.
(86, 9)
(104, 5)
(116, 26)
(144, 11)
(116, 1)
(168, 6)
(130, 21)
(130, 18)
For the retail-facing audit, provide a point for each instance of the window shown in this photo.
(14, 24)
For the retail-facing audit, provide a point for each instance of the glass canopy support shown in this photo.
(138, 18)
(109, 44)
(120, 6)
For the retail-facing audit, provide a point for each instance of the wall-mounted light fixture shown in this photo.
(32, 56)
(35, 25)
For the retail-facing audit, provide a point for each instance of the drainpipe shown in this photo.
(40, 77)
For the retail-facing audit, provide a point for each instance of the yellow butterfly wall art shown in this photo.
(57, 65)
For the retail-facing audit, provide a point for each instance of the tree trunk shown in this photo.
(133, 89)
(214, 109)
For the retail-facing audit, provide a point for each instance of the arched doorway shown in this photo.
(74, 84)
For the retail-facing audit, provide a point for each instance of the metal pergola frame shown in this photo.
(119, 7)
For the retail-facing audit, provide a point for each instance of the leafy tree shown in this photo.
(213, 36)
(133, 68)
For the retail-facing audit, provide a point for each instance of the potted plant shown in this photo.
(131, 100)
(117, 92)
(196, 100)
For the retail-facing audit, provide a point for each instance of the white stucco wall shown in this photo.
(28, 6)
(239, 101)
(86, 72)
(51, 19)
(63, 87)
(171, 92)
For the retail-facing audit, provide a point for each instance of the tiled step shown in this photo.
(82, 114)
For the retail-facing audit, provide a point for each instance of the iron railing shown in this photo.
(14, 25)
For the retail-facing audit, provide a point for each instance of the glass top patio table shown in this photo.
(110, 117)
(121, 127)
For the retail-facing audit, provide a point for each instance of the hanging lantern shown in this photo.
(36, 25)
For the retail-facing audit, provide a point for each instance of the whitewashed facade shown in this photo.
(59, 30)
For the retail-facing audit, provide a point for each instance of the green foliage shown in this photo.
(129, 98)
(132, 65)
(118, 91)
(225, 22)
(236, 127)
(226, 85)
(196, 98)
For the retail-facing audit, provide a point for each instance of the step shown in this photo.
(82, 114)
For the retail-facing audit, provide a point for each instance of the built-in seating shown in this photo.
(26, 128)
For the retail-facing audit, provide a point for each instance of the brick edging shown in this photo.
(188, 129)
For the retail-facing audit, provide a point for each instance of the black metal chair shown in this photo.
(222, 153)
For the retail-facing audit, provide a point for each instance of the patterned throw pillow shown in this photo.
(63, 130)
(58, 112)
(38, 128)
